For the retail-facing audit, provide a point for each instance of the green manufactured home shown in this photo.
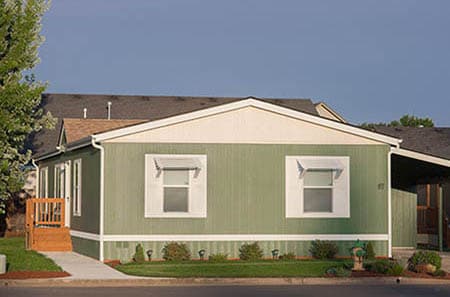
(241, 171)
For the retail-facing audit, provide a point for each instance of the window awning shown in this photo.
(178, 163)
(319, 164)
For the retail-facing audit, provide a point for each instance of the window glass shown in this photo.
(318, 200)
(175, 199)
(319, 178)
(176, 177)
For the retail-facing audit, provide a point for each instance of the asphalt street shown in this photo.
(259, 291)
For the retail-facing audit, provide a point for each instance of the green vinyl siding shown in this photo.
(124, 251)
(404, 222)
(90, 248)
(90, 186)
(245, 190)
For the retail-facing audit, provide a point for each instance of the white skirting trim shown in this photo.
(85, 235)
(246, 237)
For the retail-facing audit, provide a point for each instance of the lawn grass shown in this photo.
(19, 259)
(268, 268)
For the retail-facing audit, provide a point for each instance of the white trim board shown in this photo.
(246, 103)
(85, 235)
(421, 156)
(246, 237)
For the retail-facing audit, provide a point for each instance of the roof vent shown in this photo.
(109, 109)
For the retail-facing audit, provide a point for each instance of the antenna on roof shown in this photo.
(84, 113)
(109, 109)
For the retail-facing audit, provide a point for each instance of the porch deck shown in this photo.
(45, 229)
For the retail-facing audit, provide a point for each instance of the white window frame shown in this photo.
(154, 188)
(43, 187)
(294, 191)
(77, 188)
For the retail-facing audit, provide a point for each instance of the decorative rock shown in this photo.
(2, 264)
(425, 268)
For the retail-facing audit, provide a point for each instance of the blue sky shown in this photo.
(369, 60)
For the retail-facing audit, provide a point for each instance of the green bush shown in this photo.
(174, 251)
(339, 271)
(218, 257)
(138, 256)
(370, 252)
(395, 270)
(288, 256)
(250, 251)
(323, 249)
(440, 273)
(424, 257)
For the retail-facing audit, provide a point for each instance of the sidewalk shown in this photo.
(84, 268)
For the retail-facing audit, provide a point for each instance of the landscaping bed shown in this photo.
(21, 264)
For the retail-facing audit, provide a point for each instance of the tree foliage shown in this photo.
(20, 93)
(405, 121)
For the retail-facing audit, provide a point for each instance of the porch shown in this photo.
(45, 225)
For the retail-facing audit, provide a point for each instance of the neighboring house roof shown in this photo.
(133, 107)
(327, 112)
(432, 141)
(76, 129)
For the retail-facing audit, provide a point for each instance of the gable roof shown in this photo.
(431, 141)
(76, 129)
(327, 112)
(133, 107)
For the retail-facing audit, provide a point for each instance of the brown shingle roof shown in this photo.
(132, 107)
(76, 129)
(432, 141)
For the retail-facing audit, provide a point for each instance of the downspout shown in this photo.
(390, 198)
(36, 167)
(102, 194)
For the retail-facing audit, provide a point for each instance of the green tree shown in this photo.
(20, 93)
(405, 121)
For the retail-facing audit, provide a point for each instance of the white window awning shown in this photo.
(319, 164)
(177, 163)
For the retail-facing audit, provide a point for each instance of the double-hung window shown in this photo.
(317, 187)
(175, 186)
(76, 187)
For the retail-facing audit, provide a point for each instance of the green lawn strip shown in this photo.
(302, 268)
(19, 259)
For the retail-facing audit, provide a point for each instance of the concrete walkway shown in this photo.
(405, 254)
(82, 267)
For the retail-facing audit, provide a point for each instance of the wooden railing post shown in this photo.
(63, 213)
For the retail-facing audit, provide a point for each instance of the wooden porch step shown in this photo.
(52, 239)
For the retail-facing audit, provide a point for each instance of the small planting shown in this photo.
(250, 251)
(174, 251)
(395, 270)
(338, 272)
(323, 249)
(385, 267)
(218, 257)
(139, 254)
(440, 273)
(421, 261)
(288, 257)
(370, 252)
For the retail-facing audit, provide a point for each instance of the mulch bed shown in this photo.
(33, 274)
(424, 275)
(366, 273)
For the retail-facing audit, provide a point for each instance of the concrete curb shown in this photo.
(146, 282)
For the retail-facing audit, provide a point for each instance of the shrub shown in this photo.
(288, 256)
(138, 256)
(370, 252)
(218, 257)
(439, 273)
(395, 270)
(323, 249)
(250, 251)
(338, 272)
(424, 257)
(174, 251)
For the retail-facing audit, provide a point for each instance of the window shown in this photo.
(76, 187)
(175, 186)
(43, 183)
(317, 186)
